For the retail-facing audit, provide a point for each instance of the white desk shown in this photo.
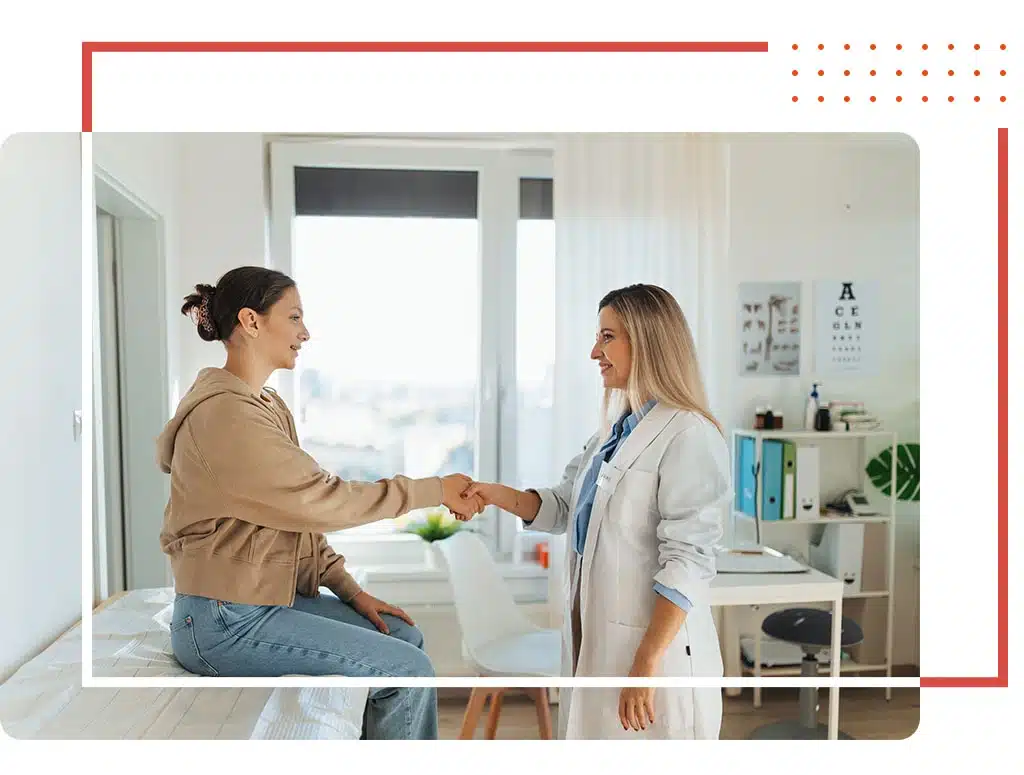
(811, 586)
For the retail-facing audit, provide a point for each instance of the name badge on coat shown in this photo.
(608, 477)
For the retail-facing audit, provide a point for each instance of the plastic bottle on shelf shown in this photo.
(811, 410)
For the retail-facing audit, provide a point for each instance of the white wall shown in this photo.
(149, 166)
(830, 207)
(40, 460)
(788, 216)
(223, 222)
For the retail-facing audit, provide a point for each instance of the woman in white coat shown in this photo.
(642, 506)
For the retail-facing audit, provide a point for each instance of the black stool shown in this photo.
(811, 629)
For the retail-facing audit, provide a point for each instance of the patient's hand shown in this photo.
(453, 495)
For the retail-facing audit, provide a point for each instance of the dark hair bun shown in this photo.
(199, 307)
(215, 310)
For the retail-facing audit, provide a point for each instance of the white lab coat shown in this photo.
(656, 518)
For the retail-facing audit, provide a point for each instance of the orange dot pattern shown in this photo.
(899, 72)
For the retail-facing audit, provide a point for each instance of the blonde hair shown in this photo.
(664, 359)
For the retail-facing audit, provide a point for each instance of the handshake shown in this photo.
(464, 497)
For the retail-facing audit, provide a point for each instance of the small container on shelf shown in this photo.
(542, 554)
(759, 418)
(823, 419)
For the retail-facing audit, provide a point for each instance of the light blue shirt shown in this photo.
(588, 491)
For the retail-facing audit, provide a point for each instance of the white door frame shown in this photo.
(143, 385)
(108, 509)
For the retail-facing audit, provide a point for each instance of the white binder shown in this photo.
(808, 486)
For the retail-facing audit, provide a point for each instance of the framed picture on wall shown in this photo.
(769, 329)
(846, 327)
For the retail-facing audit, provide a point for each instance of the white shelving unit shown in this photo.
(805, 437)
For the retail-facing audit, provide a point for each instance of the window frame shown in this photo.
(500, 164)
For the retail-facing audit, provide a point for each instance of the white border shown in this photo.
(88, 281)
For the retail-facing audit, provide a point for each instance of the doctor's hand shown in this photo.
(636, 703)
(464, 507)
(487, 492)
(636, 707)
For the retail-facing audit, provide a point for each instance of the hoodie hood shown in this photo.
(209, 383)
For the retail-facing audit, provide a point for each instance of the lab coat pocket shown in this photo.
(621, 644)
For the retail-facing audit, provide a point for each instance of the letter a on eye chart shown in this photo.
(847, 325)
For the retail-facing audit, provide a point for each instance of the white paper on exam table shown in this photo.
(762, 559)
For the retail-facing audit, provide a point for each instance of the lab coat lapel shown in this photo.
(641, 437)
(570, 578)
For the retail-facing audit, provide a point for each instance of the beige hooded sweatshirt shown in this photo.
(248, 507)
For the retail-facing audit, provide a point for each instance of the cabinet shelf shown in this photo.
(801, 434)
(845, 666)
(860, 446)
(844, 520)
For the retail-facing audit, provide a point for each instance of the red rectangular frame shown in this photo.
(1001, 679)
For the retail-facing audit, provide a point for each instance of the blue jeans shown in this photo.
(316, 636)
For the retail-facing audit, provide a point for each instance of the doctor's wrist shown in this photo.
(645, 662)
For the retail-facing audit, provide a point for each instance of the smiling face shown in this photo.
(282, 332)
(612, 351)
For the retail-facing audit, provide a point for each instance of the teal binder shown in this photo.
(746, 476)
(772, 465)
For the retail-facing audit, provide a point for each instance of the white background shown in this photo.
(40, 87)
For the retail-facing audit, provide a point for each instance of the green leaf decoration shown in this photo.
(438, 525)
(908, 471)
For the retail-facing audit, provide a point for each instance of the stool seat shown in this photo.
(810, 628)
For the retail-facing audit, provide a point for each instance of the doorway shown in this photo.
(131, 391)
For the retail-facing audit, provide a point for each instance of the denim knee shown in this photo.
(408, 633)
(418, 664)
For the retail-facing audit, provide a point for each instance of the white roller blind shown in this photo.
(628, 208)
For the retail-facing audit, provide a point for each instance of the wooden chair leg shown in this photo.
(540, 698)
(492, 717)
(474, 708)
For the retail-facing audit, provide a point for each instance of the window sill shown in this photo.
(420, 572)
(423, 585)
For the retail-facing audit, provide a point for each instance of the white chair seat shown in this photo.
(531, 654)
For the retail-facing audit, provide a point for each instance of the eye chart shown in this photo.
(846, 316)
(769, 329)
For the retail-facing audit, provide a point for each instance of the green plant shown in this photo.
(908, 471)
(438, 525)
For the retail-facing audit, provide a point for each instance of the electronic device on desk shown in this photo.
(859, 505)
(852, 503)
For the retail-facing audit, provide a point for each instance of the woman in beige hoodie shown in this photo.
(244, 526)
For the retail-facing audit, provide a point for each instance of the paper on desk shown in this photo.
(763, 561)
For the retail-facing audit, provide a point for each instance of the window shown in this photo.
(403, 257)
